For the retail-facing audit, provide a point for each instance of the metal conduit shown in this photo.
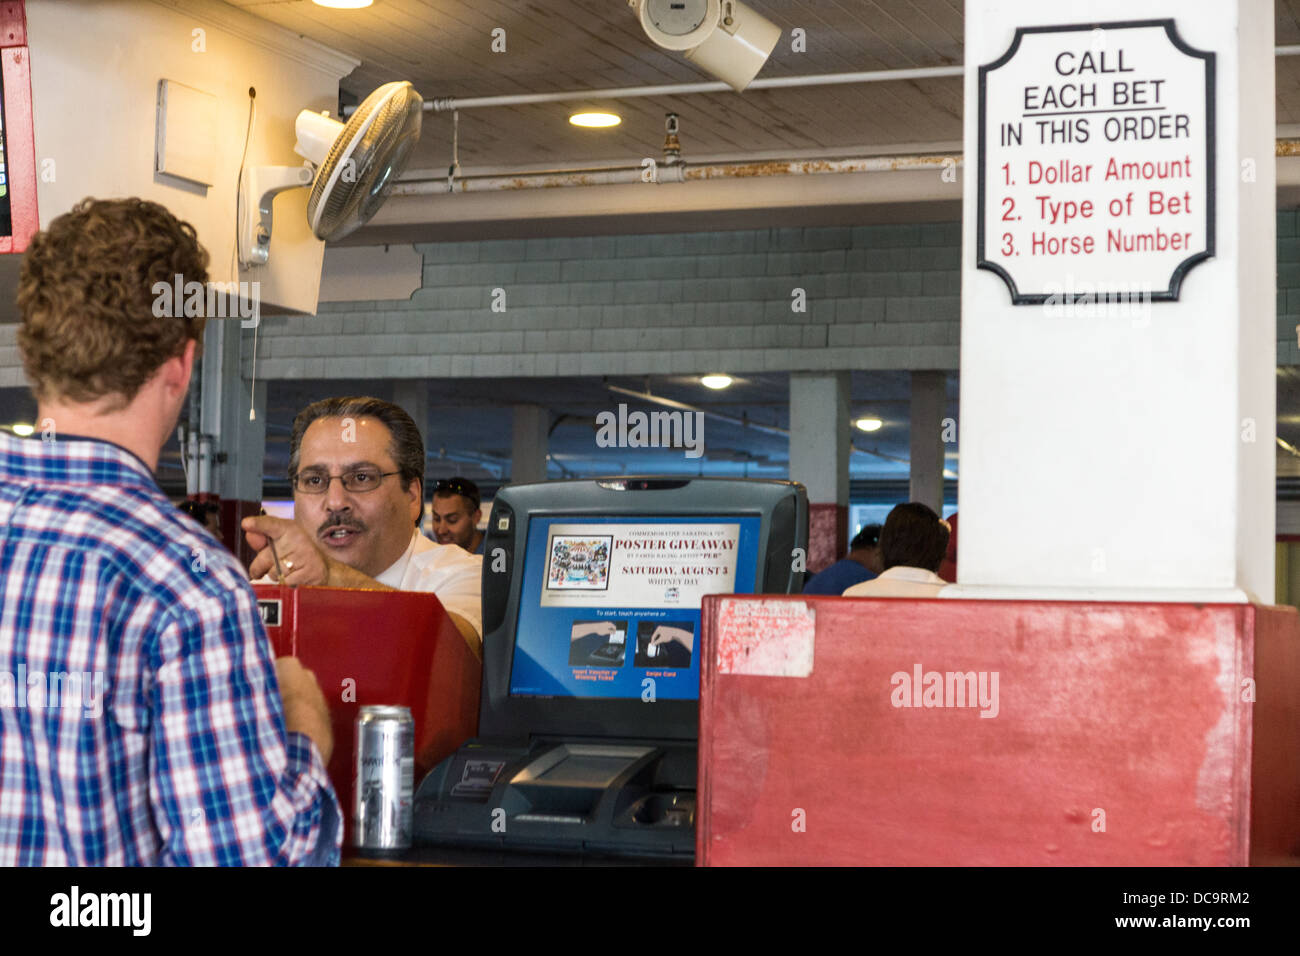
(673, 173)
(449, 103)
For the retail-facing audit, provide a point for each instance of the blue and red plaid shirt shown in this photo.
(140, 716)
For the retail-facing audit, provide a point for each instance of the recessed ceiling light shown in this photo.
(595, 120)
(343, 4)
(715, 381)
(869, 424)
(22, 430)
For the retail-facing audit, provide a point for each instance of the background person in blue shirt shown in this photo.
(862, 563)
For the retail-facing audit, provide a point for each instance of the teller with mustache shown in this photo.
(357, 470)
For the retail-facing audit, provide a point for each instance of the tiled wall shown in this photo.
(1288, 286)
(878, 297)
(882, 297)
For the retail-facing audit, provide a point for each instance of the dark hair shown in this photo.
(913, 536)
(459, 486)
(199, 510)
(868, 537)
(91, 326)
(405, 444)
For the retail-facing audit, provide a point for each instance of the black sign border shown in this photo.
(1181, 270)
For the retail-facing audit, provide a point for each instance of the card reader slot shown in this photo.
(571, 779)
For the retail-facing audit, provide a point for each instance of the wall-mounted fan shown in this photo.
(353, 168)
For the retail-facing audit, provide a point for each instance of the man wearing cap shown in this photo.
(456, 514)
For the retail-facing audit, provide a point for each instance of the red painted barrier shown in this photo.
(827, 535)
(19, 135)
(394, 647)
(1116, 734)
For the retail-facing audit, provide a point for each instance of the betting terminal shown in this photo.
(588, 717)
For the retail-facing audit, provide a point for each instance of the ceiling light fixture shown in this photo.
(22, 431)
(869, 424)
(343, 4)
(595, 120)
(715, 381)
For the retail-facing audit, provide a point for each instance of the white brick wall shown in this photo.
(876, 297)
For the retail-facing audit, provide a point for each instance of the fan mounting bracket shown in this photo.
(257, 191)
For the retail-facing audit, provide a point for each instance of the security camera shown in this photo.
(725, 37)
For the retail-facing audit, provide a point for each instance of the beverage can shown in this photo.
(383, 776)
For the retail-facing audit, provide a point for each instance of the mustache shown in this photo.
(340, 520)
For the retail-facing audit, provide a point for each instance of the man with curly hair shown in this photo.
(142, 718)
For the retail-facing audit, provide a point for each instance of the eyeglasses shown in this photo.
(361, 480)
(454, 486)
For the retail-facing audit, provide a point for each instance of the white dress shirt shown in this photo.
(448, 570)
(900, 581)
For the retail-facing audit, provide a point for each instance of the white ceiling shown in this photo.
(444, 48)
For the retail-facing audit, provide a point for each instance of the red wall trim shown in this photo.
(13, 23)
(20, 140)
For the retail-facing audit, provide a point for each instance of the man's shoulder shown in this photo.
(154, 546)
(430, 554)
(866, 587)
(130, 530)
(428, 550)
(838, 576)
(899, 581)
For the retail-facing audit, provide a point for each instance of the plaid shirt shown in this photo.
(182, 756)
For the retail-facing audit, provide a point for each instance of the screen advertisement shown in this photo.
(611, 608)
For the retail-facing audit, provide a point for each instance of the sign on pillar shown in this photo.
(1096, 163)
(1118, 308)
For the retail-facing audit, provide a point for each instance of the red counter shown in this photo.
(1123, 734)
(379, 647)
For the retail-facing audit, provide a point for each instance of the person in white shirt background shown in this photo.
(357, 469)
(912, 546)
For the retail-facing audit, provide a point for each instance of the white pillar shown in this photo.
(237, 447)
(1121, 452)
(929, 400)
(412, 395)
(246, 454)
(819, 459)
(528, 446)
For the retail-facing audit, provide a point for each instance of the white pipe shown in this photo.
(813, 167)
(674, 173)
(450, 103)
(190, 463)
(535, 180)
(205, 464)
